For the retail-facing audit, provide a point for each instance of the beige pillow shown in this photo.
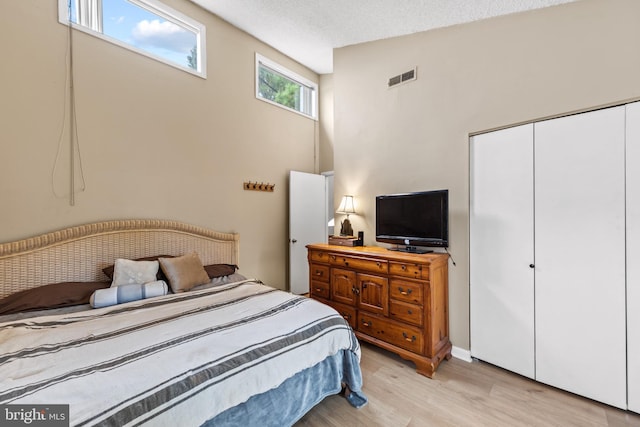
(184, 272)
(128, 272)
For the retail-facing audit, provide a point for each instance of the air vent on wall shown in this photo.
(403, 78)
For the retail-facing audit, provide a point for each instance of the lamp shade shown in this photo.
(346, 205)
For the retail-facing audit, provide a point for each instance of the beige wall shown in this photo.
(155, 142)
(471, 78)
(326, 123)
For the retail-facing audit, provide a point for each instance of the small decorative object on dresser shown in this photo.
(397, 301)
(343, 240)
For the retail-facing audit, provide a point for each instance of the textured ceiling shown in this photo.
(309, 30)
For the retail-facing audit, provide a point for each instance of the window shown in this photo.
(277, 85)
(144, 26)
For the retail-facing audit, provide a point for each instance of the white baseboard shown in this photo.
(460, 353)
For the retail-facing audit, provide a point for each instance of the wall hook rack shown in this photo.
(262, 186)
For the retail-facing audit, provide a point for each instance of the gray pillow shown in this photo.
(184, 272)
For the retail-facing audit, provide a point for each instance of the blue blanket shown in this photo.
(289, 402)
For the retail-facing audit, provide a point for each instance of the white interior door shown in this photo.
(501, 245)
(633, 256)
(307, 224)
(580, 254)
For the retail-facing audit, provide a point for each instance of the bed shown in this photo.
(231, 351)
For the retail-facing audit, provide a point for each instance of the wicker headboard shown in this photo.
(80, 253)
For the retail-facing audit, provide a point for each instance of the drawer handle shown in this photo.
(318, 290)
(365, 323)
(346, 316)
(409, 312)
(378, 264)
(404, 267)
(406, 337)
(318, 273)
(346, 263)
(403, 292)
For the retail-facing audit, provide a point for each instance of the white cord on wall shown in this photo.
(74, 143)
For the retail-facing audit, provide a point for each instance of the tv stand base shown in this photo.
(411, 250)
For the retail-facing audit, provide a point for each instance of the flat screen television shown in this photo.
(413, 219)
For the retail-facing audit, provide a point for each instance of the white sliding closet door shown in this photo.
(580, 254)
(501, 245)
(633, 255)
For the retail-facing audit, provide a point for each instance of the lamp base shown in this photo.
(345, 228)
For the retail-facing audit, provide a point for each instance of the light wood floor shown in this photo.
(461, 394)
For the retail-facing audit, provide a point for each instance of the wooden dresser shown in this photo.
(395, 300)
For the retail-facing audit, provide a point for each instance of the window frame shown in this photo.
(288, 74)
(163, 11)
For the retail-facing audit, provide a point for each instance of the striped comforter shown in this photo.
(178, 359)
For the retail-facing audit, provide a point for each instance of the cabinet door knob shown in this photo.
(532, 266)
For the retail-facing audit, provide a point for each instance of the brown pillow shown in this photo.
(184, 272)
(220, 270)
(108, 271)
(51, 296)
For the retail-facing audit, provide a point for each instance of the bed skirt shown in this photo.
(286, 404)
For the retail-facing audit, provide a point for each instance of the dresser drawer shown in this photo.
(347, 313)
(319, 289)
(403, 336)
(405, 312)
(407, 291)
(416, 271)
(362, 264)
(319, 272)
(319, 256)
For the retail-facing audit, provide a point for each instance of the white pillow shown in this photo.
(128, 272)
(125, 293)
